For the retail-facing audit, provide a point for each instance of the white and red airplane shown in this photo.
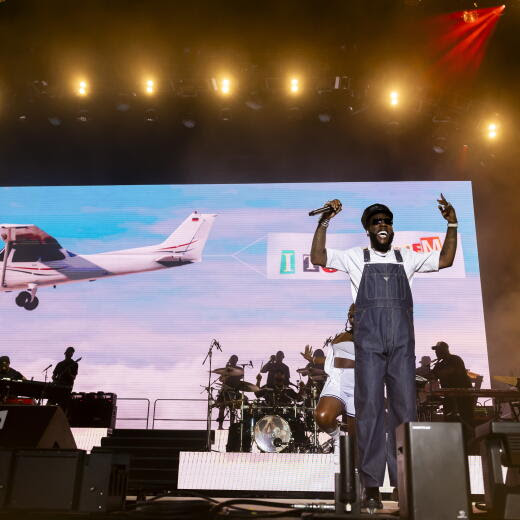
(31, 258)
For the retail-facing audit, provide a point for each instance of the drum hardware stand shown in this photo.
(313, 405)
(209, 355)
(242, 395)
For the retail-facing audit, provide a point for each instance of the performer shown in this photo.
(279, 394)
(380, 279)
(337, 396)
(452, 373)
(65, 371)
(424, 370)
(228, 394)
(6, 371)
(316, 360)
(276, 363)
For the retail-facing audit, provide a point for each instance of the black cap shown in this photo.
(440, 344)
(372, 210)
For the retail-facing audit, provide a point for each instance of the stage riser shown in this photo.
(275, 472)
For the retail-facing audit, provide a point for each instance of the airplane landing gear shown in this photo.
(23, 299)
(28, 299)
(30, 306)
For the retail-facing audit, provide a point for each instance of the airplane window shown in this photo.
(26, 252)
(49, 252)
(33, 252)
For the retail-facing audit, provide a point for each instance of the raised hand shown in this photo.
(447, 210)
(307, 353)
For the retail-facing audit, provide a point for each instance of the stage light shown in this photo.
(83, 116)
(82, 89)
(492, 130)
(150, 116)
(394, 98)
(150, 86)
(225, 86)
(470, 16)
(294, 85)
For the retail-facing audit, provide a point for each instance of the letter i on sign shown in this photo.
(288, 262)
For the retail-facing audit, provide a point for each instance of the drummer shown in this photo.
(279, 394)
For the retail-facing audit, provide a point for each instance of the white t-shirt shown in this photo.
(352, 262)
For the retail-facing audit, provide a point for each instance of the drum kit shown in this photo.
(272, 419)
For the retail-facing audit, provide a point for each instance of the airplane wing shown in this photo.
(26, 233)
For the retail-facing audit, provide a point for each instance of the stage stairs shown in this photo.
(154, 455)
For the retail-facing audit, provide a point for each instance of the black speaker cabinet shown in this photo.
(23, 426)
(432, 470)
(92, 410)
(62, 480)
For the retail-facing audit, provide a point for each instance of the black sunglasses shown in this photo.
(386, 220)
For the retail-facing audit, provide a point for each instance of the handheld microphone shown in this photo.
(319, 210)
(217, 344)
(251, 364)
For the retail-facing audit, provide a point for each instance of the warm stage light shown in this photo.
(294, 86)
(492, 130)
(225, 86)
(394, 98)
(82, 88)
(149, 87)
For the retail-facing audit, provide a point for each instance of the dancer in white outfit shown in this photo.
(337, 396)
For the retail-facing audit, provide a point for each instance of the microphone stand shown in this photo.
(209, 356)
(45, 372)
(40, 399)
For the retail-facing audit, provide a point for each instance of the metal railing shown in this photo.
(135, 418)
(176, 419)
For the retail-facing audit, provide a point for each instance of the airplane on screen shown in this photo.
(31, 258)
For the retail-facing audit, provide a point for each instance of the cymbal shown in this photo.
(229, 371)
(244, 386)
(508, 380)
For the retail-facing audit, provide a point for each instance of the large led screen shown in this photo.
(255, 291)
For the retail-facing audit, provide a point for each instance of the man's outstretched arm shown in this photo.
(449, 248)
(318, 250)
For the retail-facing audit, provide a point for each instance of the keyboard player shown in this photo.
(6, 372)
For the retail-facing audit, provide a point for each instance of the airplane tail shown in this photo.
(189, 238)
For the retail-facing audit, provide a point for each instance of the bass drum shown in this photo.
(272, 434)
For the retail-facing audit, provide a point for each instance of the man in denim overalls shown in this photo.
(384, 336)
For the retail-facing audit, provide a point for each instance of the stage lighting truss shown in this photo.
(321, 98)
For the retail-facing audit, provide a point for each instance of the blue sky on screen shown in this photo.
(149, 326)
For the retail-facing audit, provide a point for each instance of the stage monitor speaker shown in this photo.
(24, 426)
(62, 480)
(432, 469)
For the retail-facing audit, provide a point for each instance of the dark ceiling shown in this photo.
(114, 42)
